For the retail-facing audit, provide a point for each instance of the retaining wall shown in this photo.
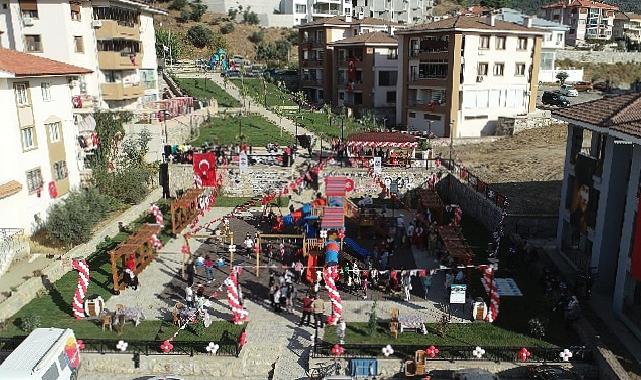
(598, 56)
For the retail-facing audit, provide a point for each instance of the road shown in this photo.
(582, 98)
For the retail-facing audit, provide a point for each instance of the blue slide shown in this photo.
(362, 252)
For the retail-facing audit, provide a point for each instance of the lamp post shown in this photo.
(240, 124)
(232, 250)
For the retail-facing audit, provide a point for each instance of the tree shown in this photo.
(562, 76)
(185, 15)
(256, 37)
(198, 9)
(292, 37)
(227, 28)
(372, 322)
(170, 40)
(200, 36)
(495, 4)
(178, 4)
(250, 17)
(232, 13)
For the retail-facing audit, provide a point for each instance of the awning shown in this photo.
(10, 188)
(382, 140)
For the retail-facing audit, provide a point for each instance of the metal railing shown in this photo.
(581, 354)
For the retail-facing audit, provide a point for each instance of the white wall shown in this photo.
(382, 63)
(549, 76)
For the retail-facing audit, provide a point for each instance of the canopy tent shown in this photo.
(382, 140)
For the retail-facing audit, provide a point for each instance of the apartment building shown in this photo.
(398, 11)
(459, 75)
(366, 67)
(599, 227)
(587, 19)
(627, 27)
(38, 145)
(306, 11)
(114, 38)
(316, 52)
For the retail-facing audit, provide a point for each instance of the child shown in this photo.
(209, 268)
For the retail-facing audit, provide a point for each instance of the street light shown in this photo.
(232, 250)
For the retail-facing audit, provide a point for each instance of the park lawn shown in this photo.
(218, 331)
(458, 334)
(318, 123)
(202, 88)
(231, 201)
(254, 88)
(257, 130)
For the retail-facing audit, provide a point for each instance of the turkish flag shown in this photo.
(205, 168)
(635, 265)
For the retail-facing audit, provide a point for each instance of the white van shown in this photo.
(46, 354)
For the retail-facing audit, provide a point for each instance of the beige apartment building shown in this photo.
(587, 19)
(459, 75)
(627, 27)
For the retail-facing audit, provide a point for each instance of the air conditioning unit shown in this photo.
(96, 23)
(27, 21)
(479, 78)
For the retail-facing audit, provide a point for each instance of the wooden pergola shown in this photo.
(455, 244)
(139, 245)
(184, 210)
(429, 199)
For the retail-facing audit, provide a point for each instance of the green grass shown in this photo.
(258, 131)
(319, 123)
(458, 334)
(202, 88)
(254, 88)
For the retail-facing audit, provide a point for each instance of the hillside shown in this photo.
(237, 40)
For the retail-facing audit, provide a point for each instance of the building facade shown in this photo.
(39, 138)
(397, 11)
(599, 227)
(366, 67)
(627, 27)
(587, 19)
(306, 11)
(115, 39)
(460, 74)
(316, 52)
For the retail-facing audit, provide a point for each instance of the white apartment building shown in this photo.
(398, 11)
(306, 11)
(38, 144)
(587, 19)
(113, 38)
(459, 75)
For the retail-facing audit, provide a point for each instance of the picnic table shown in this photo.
(412, 322)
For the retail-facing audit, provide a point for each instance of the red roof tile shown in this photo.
(340, 20)
(620, 113)
(28, 65)
(378, 38)
(469, 23)
(581, 3)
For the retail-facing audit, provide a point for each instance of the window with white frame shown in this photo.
(520, 70)
(499, 69)
(500, 43)
(482, 68)
(45, 88)
(34, 180)
(28, 137)
(22, 97)
(60, 170)
(522, 45)
(484, 42)
(54, 131)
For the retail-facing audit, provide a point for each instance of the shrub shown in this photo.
(29, 322)
(129, 185)
(185, 15)
(72, 220)
(372, 322)
(178, 4)
(200, 36)
(232, 13)
(256, 37)
(536, 327)
(250, 17)
(198, 9)
(227, 28)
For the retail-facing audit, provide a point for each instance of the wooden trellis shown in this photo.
(184, 210)
(139, 245)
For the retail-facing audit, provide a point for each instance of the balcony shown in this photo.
(111, 29)
(425, 105)
(120, 91)
(308, 82)
(312, 63)
(428, 47)
(116, 60)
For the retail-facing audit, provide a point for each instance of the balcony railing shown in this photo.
(120, 91)
(111, 29)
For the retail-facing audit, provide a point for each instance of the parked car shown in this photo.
(554, 99)
(601, 86)
(549, 372)
(583, 86)
(474, 374)
(568, 90)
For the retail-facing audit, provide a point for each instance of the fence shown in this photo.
(227, 347)
(472, 181)
(457, 353)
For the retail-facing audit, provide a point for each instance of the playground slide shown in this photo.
(362, 252)
(300, 217)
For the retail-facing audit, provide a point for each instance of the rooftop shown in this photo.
(627, 16)
(515, 16)
(467, 23)
(372, 38)
(392, 137)
(340, 21)
(619, 113)
(581, 3)
(19, 64)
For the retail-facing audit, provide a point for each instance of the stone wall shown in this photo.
(511, 125)
(598, 56)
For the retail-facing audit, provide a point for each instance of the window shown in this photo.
(358, 98)
(54, 131)
(390, 97)
(124, 16)
(482, 68)
(500, 43)
(522, 43)
(341, 95)
(499, 68)
(520, 70)
(485, 42)
(22, 98)
(75, 11)
(572, 31)
(438, 70)
(29, 13)
(148, 78)
(78, 44)
(34, 182)
(412, 115)
(387, 78)
(301, 9)
(28, 136)
(60, 170)
(45, 88)
(33, 43)
(393, 54)
(429, 116)
(479, 117)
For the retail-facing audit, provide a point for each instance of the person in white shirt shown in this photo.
(410, 233)
(249, 244)
(189, 297)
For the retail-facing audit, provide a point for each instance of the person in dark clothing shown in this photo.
(306, 319)
(190, 271)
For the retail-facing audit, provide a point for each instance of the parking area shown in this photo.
(582, 98)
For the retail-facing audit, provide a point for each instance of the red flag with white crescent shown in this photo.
(205, 168)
